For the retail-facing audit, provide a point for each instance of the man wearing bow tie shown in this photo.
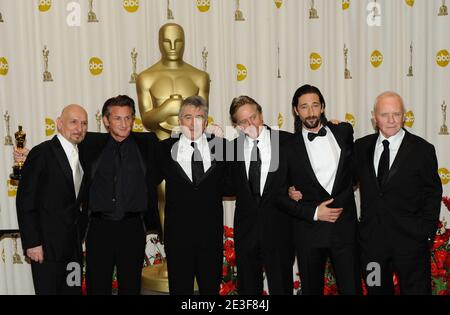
(317, 162)
(193, 166)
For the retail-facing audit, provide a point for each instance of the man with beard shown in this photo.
(317, 162)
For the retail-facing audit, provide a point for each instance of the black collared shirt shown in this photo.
(119, 184)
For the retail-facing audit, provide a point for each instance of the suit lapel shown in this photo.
(370, 157)
(212, 151)
(300, 147)
(63, 161)
(341, 143)
(403, 152)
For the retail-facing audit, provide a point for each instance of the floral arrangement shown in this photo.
(228, 285)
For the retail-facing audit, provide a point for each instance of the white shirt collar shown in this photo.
(262, 138)
(394, 141)
(200, 141)
(66, 144)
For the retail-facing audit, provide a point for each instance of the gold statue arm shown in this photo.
(153, 115)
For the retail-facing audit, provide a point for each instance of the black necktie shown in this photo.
(196, 164)
(383, 165)
(254, 172)
(322, 133)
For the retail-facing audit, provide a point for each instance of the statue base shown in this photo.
(47, 77)
(444, 131)
(155, 278)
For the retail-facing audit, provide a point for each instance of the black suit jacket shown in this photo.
(262, 222)
(408, 204)
(299, 173)
(90, 152)
(193, 216)
(48, 211)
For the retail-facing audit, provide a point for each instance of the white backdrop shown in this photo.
(275, 50)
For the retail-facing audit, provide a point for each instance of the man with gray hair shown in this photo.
(400, 202)
(194, 169)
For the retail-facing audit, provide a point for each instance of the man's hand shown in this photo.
(294, 194)
(215, 130)
(335, 121)
(36, 254)
(20, 155)
(328, 214)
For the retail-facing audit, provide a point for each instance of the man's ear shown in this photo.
(105, 122)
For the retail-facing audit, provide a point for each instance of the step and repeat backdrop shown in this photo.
(57, 52)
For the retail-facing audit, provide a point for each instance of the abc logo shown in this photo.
(376, 59)
(12, 189)
(345, 4)
(241, 72)
(138, 126)
(443, 58)
(409, 119)
(445, 175)
(315, 61)
(278, 3)
(410, 2)
(350, 119)
(50, 127)
(95, 66)
(203, 5)
(3, 66)
(131, 5)
(45, 5)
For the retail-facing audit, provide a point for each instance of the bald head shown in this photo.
(72, 124)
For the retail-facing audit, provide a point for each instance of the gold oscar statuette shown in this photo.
(17, 259)
(279, 70)
(443, 10)
(16, 175)
(205, 59)
(410, 70)
(47, 75)
(313, 11)
(347, 74)
(160, 91)
(134, 75)
(238, 15)
(98, 119)
(92, 17)
(444, 128)
(169, 11)
(8, 138)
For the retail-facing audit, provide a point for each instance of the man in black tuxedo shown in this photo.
(317, 162)
(262, 233)
(194, 169)
(122, 176)
(48, 207)
(400, 202)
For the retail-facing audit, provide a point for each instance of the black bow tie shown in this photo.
(322, 133)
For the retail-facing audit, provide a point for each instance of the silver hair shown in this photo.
(197, 102)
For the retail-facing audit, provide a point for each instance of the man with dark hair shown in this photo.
(318, 163)
(122, 176)
(262, 233)
(194, 169)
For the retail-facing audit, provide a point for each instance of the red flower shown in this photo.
(434, 269)
(442, 292)
(230, 257)
(440, 257)
(229, 244)
(83, 287)
(228, 231)
(264, 292)
(446, 202)
(296, 284)
(224, 271)
(115, 284)
(226, 288)
(438, 242)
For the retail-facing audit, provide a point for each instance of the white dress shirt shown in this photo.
(324, 153)
(71, 151)
(264, 146)
(394, 144)
(185, 151)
